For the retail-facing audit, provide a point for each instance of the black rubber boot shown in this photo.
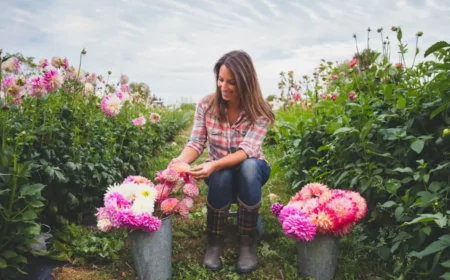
(216, 221)
(247, 219)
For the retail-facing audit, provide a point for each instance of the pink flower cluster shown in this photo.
(129, 205)
(316, 209)
(172, 181)
(11, 65)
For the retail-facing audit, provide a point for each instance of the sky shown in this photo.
(172, 45)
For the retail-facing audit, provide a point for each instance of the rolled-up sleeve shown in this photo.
(252, 142)
(197, 139)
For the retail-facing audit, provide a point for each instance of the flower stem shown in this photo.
(414, 60)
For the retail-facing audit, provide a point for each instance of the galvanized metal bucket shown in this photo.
(152, 252)
(318, 258)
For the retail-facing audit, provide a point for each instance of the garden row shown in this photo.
(381, 129)
(65, 136)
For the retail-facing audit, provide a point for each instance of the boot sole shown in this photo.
(245, 271)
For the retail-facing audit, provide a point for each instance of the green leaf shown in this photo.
(342, 130)
(366, 129)
(402, 236)
(418, 145)
(37, 204)
(427, 230)
(8, 254)
(446, 263)
(401, 102)
(404, 170)
(436, 186)
(332, 127)
(438, 218)
(30, 190)
(388, 204)
(33, 230)
(399, 34)
(445, 276)
(4, 191)
(437, 46)
(436, 246)
(439, 110)
(398, 212)
(3, 263)
(29, 215)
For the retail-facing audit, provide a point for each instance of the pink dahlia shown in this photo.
(333, 97)
(179, 166)
(276, 209)
(43, 63)
(111, 105)
(344, 208)
(105, 225)
(296, 96)
(345, 230)
(324, 219)
(182, 209)
(163, 192)
(188, 201)
(352, 95)
(310, 191)
(101, 213)
(11, 86)
(139, 121)
(399, 66)
(168, 205)
(170, 175)
(11, 65)
(36, 87)
(325, 196)
(360, 202)
(123, 79)
(353, 62)
(137, 180)
(310, 205)
(334, 77)
(147, 223)
(124, 88)
(299, 227)
(155, 118)
(288, 211)
(59, 62)
(324, 96)
(190, 190)
(55, 61)
(52, 80)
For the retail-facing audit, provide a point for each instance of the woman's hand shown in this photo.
(202, 171)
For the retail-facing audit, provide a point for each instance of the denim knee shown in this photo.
(253, 174)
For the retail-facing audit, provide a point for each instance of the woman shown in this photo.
(234, 121)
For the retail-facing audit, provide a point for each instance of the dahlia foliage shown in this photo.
(138, 204)
(316, 209)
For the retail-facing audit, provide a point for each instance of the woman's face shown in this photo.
(227, 85)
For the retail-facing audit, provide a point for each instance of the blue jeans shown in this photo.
(243, 181)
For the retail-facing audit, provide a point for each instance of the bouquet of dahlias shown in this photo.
(137, 203)
(316, 209)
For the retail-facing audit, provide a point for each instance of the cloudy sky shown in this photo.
(172, 45)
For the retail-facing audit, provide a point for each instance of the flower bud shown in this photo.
(446, 132)
(419, 34)
(83, 51)
(379, 30)
(394, 28)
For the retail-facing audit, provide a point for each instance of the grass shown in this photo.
(276, 252)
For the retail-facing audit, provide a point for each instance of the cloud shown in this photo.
(172, 45)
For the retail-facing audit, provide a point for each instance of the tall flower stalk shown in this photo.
(419, 34)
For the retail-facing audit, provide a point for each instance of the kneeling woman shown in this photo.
(234, 121)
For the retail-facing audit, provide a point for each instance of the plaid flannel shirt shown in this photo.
(224, 139)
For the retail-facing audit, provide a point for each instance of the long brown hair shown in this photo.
(241, 66)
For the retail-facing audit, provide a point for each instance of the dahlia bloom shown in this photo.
(123, 79)
(333, 97)
(36, 87)
(188, 201)
(43, 63)
(190, 190)
(11, 86)
(179, 166)
(155, 118)
(168, 205)
(296, 96)
(123, 95)
(170, 175)
(124, 88)
(111, 105)
(88, 89)
(276, 209)
(52, 80)
(352, 95)
(286, 212)
(299, 227)
(139, 121)
(324, 96)
(334, 77)
(353, 62)
(11, 65)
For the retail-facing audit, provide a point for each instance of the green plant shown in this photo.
(79, 245)
(387, 142)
